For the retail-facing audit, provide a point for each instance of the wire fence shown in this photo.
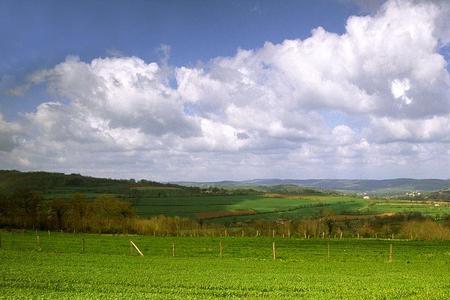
(226, 247)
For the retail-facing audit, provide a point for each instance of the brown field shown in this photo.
(223, 213)
(360, 217)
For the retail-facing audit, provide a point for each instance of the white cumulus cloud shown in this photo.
(370, 102)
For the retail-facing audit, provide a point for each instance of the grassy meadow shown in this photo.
(57, 267)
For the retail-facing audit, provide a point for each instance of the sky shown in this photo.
(226, 90)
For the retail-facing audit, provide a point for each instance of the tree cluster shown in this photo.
(27, 209)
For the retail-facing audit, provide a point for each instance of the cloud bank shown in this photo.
(372, 102)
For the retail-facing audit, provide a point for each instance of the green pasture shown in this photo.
(267, 207)
(261, 204)
(397, 206)
(173, 201)
(56, 268)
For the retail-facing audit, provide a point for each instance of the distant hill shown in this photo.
(385, 186)
(60, 185)
(45, 181)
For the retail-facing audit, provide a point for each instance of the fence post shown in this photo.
(136, 247)
(274, 251)
(173, 249)
(273, 233)
(38, 243)
(220, 249)
(390, 253)
(82, 245)
(328, 250)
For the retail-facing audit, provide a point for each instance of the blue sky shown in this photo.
(215, 90)
(41, 34)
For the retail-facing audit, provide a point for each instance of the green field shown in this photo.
(170, 201)
(269, 207)
(350, 269)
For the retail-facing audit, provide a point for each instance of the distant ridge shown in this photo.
(352, 185)
(11, 180)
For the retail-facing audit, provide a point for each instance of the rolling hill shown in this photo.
(385, 186)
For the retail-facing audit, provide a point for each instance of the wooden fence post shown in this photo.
(273, 233)
(173, 249)
(328, 250)
(136, 247)
(220, 249)
(390, 253)
(82, 245)
(38, 243)
(274, 251)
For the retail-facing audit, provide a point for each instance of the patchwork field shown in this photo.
(150, 201)
(308, 269)
(271, 207)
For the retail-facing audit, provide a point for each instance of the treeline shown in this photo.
(292, 189)
(11, 180)
(27, 209)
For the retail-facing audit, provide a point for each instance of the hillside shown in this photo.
(48, 182)
(385, 186)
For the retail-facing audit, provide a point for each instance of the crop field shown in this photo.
(56, 267)
(425, 207)
(272, 207)
(177, 201)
